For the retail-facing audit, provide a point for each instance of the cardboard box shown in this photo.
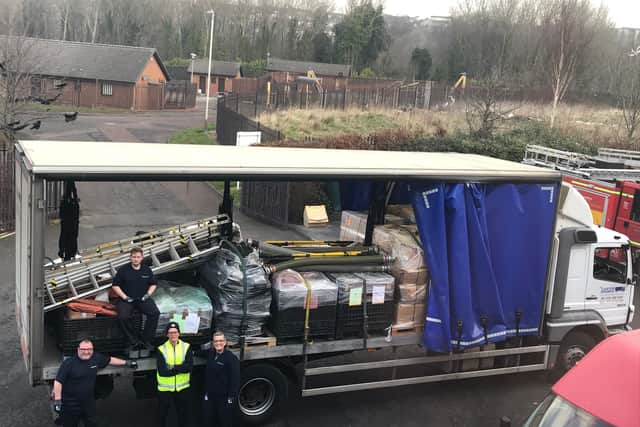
(353, 226)
(421, 294)
(404, 313)
(407, 293)
(315, 216)
(418, 277)
(76, 315)
(403, 211)
(419, 314)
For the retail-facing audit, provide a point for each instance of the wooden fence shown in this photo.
(7, 195)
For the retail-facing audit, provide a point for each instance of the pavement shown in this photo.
(115, 210)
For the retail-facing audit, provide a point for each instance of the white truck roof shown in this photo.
(145, 161)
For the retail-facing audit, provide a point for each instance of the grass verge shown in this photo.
(195, 136)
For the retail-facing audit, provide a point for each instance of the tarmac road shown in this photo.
(113, 210)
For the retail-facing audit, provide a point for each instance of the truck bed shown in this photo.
(53, 356)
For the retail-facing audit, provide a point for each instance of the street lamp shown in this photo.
(206, 108)
(193, 57)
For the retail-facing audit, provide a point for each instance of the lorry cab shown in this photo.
(600, 278)
(591, 294)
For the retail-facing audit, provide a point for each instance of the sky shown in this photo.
(624, 13)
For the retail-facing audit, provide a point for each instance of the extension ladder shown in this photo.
(168, 249)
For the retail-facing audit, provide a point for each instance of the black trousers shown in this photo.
(180, 400)
(149, 309)
(218, 412)
(73, 412)
(73, 420)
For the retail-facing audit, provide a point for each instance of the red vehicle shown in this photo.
(602, 390)
(614, 205)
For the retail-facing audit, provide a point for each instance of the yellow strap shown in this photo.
(308, 309)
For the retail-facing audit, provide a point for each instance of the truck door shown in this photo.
(23, 257)
(608, 291)
(578, 268)
(628, 218)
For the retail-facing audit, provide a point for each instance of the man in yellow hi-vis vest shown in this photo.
(175, 362)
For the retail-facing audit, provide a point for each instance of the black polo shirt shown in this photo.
(78, 379)
(134, 283)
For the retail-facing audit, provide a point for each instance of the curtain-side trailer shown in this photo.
(576, 281)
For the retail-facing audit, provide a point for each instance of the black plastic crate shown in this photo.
(349, 319)
(103, 331)
(289, 323)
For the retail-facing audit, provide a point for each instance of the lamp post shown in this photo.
(193, 57)
(206, 108)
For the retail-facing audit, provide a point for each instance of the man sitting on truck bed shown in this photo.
(134, 283)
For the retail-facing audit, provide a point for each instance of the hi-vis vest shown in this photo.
(173, 357)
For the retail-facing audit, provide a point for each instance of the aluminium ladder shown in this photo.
(88, 276)
(573, 163)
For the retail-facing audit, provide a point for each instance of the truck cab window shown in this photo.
(635, 209)
(610, 264)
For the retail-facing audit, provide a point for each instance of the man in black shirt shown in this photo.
(73, 388)
(222, 382)
(134, 283)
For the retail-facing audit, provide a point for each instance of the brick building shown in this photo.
(95, 75)
(223, 74)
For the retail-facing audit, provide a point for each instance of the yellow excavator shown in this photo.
(460, 84)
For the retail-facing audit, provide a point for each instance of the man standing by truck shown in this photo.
(175, 362)
(134, 283)
(73, 388)
(222, 381)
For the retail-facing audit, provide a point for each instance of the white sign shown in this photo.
(377, 296)
(245, 139)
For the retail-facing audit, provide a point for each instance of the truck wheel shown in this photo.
(263, 388)
(573, 348)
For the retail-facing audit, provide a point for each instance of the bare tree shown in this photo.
(568, 28)
(629, 99)
(486, 107)
(20, 66)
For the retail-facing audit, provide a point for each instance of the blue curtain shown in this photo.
(486, 247)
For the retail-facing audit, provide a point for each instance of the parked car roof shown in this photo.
(606, 383)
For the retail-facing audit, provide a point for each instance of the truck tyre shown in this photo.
(573, 348)
(263, 389)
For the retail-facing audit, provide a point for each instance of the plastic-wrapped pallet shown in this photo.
(222, 277)
(379, 292)
(290, 300)
(174, 299)
(380, 286)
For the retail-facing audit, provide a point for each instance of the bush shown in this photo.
(509, 145)
(255, 68)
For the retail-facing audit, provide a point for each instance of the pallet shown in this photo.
(399, 332)
(251, 342)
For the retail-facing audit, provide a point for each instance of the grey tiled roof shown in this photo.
(218, 68)
(320, 68)
(87, 60)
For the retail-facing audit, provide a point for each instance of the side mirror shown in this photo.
(636, 279)
(505, 421)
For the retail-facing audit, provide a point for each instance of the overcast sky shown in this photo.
(625, 13)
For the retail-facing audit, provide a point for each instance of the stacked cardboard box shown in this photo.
(409, 269)
(353, 225)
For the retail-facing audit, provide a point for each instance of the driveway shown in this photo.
(152, 126)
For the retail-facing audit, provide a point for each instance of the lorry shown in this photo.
(612, 194)
(575, 279)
